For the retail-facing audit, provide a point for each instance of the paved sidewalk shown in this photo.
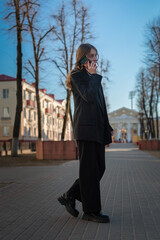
(130, 192)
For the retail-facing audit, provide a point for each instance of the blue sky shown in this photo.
(119, 27)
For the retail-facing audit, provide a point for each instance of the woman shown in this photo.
(92, 132)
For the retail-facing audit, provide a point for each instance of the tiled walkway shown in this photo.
(130, 192)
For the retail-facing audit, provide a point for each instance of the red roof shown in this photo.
(44, 90)
(60, 101)
(4, 77)
(51, 95)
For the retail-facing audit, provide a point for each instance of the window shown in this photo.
(6, 131)
(29, 95)
(35, 116)
(59, 136)
(30, 115)
(25, 131)
(5, 112)
(46, 104)
(34, 131)
(34, 98)
(5, 93)
(24, 113)
(43, 133)
(24, 92)
(29, 132)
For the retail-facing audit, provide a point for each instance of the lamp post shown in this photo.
(131, 96)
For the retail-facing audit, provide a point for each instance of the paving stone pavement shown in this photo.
(130, 191)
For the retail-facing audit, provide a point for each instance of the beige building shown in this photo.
(52, 113)
(126, 125)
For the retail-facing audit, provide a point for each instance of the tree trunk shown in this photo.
(142, 129)
(152, 128)
(157, 116)
(157, 124)
(66, 114)
(17, 121)
(38, 103)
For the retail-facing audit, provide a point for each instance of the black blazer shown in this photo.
(90, 120)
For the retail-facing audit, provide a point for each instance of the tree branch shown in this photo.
(41, 53)
(9, 15)
(74, 34)
(62, 84)
(40, 40)
(32, 66)
(59, 68)
(12, 27)
(28, 70)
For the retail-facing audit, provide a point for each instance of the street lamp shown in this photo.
(131, 96)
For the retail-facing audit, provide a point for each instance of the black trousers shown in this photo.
(92, 166)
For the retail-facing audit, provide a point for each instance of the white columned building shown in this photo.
(126, 125)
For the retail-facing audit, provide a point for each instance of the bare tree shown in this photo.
(72, 29)
(17, 9)
(146, 84)
(148, 81)
(152, 60)
(141, 120)
(153, 44)
(38, 50)
(155, 73)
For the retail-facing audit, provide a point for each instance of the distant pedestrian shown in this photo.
(92, 132)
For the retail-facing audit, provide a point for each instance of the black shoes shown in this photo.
(69, 204)
(96, 217)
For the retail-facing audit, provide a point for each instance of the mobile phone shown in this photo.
(84, 60)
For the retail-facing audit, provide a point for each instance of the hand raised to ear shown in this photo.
(92, 67)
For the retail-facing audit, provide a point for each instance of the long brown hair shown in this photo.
(83, 50)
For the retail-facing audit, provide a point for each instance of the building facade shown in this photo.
(125, 123)
(52, 113)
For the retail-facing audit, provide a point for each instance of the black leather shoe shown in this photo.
(96, 217)
(69, 204)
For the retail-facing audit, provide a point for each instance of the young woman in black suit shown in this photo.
(92, 132)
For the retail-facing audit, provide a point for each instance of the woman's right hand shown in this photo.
(92, 67)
